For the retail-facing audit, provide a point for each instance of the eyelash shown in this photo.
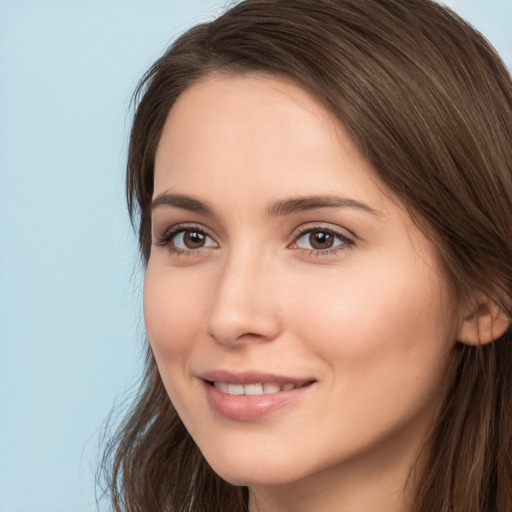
(166, 239)
(345, 242)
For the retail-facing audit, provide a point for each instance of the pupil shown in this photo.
(193, 240)
(321, 240)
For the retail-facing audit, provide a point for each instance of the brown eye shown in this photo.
(321, 239)
(190, 240)
(193, 239)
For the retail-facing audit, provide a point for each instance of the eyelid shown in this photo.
(168, 234)
(344, 235)
(311, 226)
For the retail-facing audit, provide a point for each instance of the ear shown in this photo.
(483, 323)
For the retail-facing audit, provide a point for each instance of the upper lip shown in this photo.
(250, 377)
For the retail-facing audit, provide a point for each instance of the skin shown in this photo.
(370, 319)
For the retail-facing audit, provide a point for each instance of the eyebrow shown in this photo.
(182, 201)
(278, 208)
(299, 204)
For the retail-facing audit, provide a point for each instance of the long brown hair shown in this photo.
(429, 103)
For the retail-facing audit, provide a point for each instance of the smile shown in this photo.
(252, 396)
(259, 388)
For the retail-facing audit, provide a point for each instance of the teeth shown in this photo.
(222, 386)
(253, 389)
(236, 389)
(267, 388)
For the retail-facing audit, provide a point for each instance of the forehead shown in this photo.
(259, 130)
(236, 110)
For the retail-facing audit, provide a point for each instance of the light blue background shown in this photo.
(70, 284)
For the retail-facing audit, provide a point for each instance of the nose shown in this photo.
(244, 305)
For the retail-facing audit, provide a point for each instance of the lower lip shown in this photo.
(251, 407)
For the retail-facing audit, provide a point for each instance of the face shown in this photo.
(298, 317)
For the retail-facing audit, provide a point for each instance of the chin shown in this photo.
(255, 470)
(249, 477)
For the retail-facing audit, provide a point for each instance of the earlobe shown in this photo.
(484, 323)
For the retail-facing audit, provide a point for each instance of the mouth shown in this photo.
(253, 396)
(257, 388)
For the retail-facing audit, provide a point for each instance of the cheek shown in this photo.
(386, 351)
(173, 313)
(371, 323)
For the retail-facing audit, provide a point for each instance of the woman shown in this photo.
(323, 192)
